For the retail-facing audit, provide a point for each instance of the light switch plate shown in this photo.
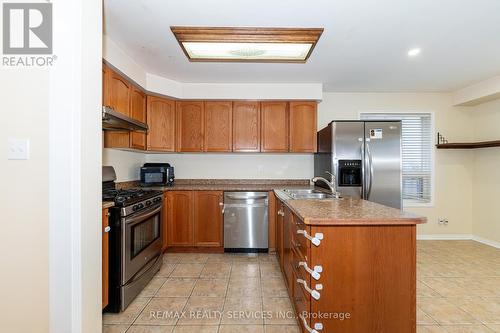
(18, 149)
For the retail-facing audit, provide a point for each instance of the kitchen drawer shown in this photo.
(299, 242)
(301, 302)
(299, 270)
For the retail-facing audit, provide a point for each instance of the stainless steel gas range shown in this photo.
(135, 240)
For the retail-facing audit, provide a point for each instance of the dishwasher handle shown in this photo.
(257, 197)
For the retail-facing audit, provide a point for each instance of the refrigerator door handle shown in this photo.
(362, 190)
(369, 159)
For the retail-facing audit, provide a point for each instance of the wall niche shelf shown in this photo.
(442, 143)
(468, 145)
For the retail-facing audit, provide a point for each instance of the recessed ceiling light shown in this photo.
(414, 52)
(247, 44)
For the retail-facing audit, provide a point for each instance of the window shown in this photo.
(416, 154)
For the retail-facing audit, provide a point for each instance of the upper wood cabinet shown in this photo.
(161, 121)
(218, 131)
(119, 93)
(105, 85)
(274, 123)
(138, 112)
(190, 126)
(180, 218)
(303, 127)
(208, 218)
(246, 126)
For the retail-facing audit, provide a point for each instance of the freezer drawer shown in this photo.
(245, 221)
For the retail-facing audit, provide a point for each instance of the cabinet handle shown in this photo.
(221, 204)
(316, 240)
(281, 212)
(314, 293)
(107, 229)
(313, 273)
(308, 329)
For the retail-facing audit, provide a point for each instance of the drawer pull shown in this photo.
(308, 329)
(316, 240)
(314, 293)
(313, 273)
(107, 229)
(281, 212)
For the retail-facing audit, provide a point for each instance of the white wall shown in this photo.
(126, 163)
(486, 172)
(238, 166)
(453, 169)
(24, 105)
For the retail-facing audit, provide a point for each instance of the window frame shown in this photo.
(408, 203)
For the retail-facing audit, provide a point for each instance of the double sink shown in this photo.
(308, 194)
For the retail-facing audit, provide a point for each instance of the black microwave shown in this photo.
(157, 174)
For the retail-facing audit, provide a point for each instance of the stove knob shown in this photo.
(148, 203)
(135, 207)
(141, 205)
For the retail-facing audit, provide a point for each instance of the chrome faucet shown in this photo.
(332, 184)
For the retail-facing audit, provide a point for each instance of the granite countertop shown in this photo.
(348, 211)
(107, 204)
(226, 185)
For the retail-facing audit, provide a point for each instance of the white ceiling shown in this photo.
(364, 46)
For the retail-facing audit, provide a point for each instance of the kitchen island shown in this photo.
(349, 264)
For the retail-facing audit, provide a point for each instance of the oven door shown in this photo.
(141, 240)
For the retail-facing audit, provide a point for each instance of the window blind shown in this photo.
(416, 153)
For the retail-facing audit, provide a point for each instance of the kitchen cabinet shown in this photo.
(164, 222)
(246, 126)
(190, 126)
(105, 258)
(279, 214)
(208, 219)
(194, 218)
(274, 132)
(303, 127)
(351, 271)
(161, 122)
(138, 112)
(218, 129)
(180, 218)
(272, 222)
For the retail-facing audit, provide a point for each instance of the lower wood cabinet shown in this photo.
(359, 278)
(194, 218)
(208, 220)
(180, 218)
(105, 258)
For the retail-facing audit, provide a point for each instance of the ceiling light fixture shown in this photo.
(414, 52)
(247, 44)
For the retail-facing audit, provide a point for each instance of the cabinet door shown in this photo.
(274, 132)
(287, 249)
(105, 259)
(303, 127)
(218, 126)
(116, 93)
(208, 218)
(246, 126)
(105, 85)
(161, 122)
(119, 93)
(164, 223)
(279, 232)
(138, 112)
(180, 218)
(190, 126)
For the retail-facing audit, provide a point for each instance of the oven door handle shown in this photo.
(130, 221)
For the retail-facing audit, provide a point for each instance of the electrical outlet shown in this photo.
(443, 221)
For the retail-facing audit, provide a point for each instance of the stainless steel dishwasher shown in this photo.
(246, 221)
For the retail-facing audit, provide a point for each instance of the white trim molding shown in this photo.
(460, 237)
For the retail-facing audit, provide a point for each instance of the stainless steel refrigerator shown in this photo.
(364, 157)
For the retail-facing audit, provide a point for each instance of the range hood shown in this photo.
(116, 121)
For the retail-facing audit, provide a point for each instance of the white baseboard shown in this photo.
(460, 237)
(445, 237)
(486, 241)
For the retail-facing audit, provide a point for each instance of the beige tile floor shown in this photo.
(458, 290)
